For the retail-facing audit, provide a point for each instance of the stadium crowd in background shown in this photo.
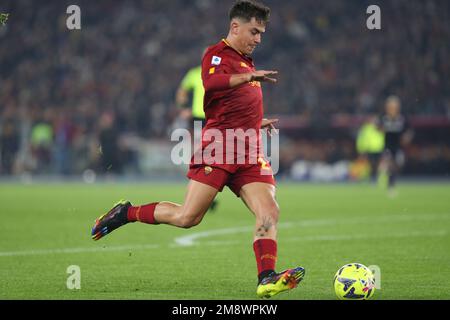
(61, 89)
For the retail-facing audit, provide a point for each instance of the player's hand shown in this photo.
(263, 75)
(268, 125)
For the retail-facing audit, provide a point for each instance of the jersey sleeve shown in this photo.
(216, 72)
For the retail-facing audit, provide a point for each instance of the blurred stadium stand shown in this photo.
(63, 94)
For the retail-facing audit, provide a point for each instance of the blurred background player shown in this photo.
(397, 135)
(192, 84)
(370, 144)
(9, 146)
(110, 161)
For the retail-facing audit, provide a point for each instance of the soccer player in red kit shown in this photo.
(233, 100)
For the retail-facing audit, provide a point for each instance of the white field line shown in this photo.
(440, 233)
(341, 237)
(413, 234)
(77, 250)
(191, 239)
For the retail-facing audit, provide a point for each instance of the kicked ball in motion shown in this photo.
(354, 281)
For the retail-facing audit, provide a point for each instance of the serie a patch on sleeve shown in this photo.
(216, 60)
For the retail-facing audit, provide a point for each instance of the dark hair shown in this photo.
(248, 9)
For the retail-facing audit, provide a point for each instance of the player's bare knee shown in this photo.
(188, 222)
(270, 212)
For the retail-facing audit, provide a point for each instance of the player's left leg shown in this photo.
(397, 162)
(260, 199)
(197, 201)
(392, 174)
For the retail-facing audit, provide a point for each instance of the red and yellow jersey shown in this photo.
(239, 109)
(225, 107)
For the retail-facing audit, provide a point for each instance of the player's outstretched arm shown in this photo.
(223, 81)
(261, 75)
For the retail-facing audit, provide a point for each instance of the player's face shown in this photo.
(249, 35)
(392, 108)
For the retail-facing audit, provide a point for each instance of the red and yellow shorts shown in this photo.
(233, 176)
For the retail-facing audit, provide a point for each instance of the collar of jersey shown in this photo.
(228, 44)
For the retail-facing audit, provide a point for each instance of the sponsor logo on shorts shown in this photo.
(208, 170)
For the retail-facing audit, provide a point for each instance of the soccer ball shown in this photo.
(354, 281)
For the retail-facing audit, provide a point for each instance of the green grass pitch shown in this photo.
(44, 228)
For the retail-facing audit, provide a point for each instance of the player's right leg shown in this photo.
(260, 199)
(197, 201)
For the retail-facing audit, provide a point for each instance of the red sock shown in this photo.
(145, 213)
(266, 254)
